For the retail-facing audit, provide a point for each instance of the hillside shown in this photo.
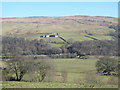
(71, 28)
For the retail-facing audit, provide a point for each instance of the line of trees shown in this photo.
(20, 46)
(98, 47)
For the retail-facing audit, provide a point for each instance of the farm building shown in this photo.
(53, 35)
(46, 36)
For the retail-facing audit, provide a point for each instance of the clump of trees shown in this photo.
(21, 46)
(19, 66)
(107, 65)
(98, 47)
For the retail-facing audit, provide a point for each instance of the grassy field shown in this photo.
(79, 73)
(13, 84)
(55, 45)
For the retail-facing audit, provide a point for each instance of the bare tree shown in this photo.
(41, 68)
(19, 66)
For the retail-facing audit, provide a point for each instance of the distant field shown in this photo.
(68, 27)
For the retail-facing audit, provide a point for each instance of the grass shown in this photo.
(102, 37)
(55, 45)
(13, 84)
(75, 65)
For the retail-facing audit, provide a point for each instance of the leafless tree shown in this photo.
(19, 66)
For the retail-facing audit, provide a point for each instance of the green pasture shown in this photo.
(102, 37)
(76, 69)
(75, 65)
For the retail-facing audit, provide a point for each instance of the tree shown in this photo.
(107, 65)
(41, 67)
(54, 50)
(18, 66)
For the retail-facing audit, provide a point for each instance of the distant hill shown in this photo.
(70, 27)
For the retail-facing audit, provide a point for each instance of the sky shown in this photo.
(27, 9)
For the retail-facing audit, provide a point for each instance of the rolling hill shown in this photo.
(71, 28)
